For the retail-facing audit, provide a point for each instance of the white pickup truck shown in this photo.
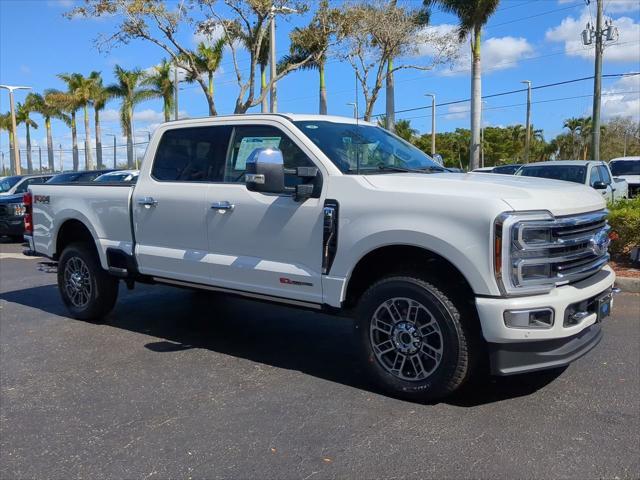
(443, 272)
(595, 174)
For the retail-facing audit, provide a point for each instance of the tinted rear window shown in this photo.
(568, 173)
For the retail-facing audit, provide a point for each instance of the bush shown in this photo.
(624, 218)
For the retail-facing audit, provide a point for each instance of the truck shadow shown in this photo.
(315, 344)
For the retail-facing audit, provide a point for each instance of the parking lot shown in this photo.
(180, 385)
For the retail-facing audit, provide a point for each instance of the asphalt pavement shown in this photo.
(177, 384)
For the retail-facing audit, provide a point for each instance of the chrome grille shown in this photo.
(576, 248)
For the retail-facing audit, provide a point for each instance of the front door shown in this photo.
(264, 243)
(170, 208)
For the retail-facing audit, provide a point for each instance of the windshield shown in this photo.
(7, 183)
(365, 149)
(568, 173)
(625, 167)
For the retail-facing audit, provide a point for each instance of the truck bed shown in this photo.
(103, 208)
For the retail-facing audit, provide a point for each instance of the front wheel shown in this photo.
(87, 290)
(415, 344)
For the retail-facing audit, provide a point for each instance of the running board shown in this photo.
(254, 296)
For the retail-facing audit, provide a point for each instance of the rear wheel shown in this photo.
(415, 344)
(87, 290)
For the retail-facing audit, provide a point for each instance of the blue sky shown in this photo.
(536, 40)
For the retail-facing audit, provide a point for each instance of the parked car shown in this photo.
(78, 177)
(441, 271)
(509, 169)
(483, 170)
(595, 174)
(627, 168)
(12, 209)
(20, 183)
(119, 176)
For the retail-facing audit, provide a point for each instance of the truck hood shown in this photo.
(631, 179)
(520, 193)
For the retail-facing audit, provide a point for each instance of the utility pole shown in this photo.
(61, 163)
(40, 157)
(16, 170)
(273, 97)
(527, 137)
(433, 122)
(176, 85)
(601, 36)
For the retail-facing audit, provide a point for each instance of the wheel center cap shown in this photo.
(406, 338)
(76, 281)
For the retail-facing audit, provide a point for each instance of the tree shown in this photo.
(154, 22)
(162, 85)
(472, 16)
(127, 88)
(47, 110)
(69, 103)
(23, 111)
(573, 124)
(5, 124)
(207, 58)
(100, 95)
(402, 128)
(372, 33)
(313, 41)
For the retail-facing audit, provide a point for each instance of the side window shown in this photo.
(604, 174)
(24, 186)
(595, 176)
(247, 138)
(194, 154)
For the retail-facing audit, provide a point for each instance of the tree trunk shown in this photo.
(167, 109)
(74, 142)
(390, 118)
(88, 156)
(47, 125)
(264, 106)
(29, 159)
(323, 90)
(129, 134)
(96, 114)
(476, 100)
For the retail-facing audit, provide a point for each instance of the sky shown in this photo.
(536, 40)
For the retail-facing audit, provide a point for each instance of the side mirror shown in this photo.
(438, 159)
(265, 171)
(599, 185)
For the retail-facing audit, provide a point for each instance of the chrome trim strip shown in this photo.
(257, 296)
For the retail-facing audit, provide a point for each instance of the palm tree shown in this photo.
(5, 124)
(161, 83)
(312, 40)
(47, 110)
(573, 124)
(100, 95)
(128, 89)
(472, 16)
(263, 61)
(206, 60)
(584, 130)
(22, 116)
(68, 103)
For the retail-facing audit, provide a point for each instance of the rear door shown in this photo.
(265, 243)
(170, 207)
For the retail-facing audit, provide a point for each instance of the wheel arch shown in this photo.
(73, 230)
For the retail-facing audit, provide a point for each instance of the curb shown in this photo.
(628, 284)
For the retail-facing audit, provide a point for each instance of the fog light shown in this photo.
(540, 318)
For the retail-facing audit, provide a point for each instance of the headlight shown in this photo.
(535, 251)
(17, 209)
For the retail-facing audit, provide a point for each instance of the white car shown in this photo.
(627, 168)
(440, 271)
(595, 174)
(118, 176)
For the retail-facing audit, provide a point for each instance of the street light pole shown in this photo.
(527, 137)
(16, 149)
(40, 157)
(176, 85)
(355, 109)
(433, 122)
(114, 148)
(61, 163)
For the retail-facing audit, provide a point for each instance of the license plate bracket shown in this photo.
(604, 306)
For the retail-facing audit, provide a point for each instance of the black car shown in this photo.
(12, 210)
(78, 177)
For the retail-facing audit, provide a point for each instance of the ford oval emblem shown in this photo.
(599, 243)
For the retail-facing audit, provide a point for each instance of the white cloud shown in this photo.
(61, 3)
(497, 53)
(622, 98)
(457, 111)
(615, 6)
(148, 115)
(626, 49)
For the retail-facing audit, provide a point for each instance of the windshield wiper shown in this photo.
(392, 168)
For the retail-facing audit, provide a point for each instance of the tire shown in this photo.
(87, 290)
(431, 347)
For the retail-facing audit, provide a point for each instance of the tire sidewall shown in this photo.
(89, 310)
(434, 386)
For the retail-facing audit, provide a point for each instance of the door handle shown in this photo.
(147, 202)
(223, 205)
